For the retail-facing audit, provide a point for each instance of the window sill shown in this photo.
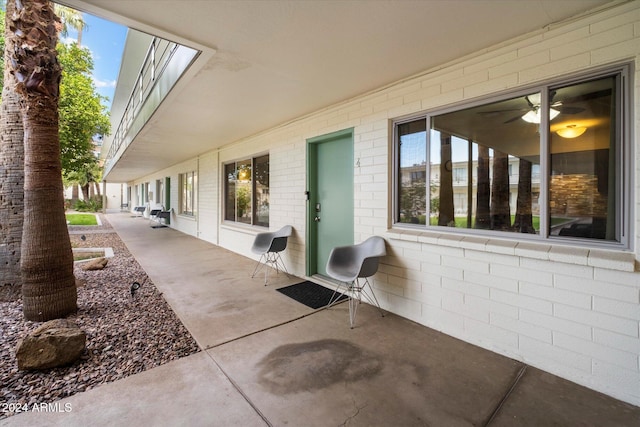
(187, 217)
(599, 258)
(244, 228)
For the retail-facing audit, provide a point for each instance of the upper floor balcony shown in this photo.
(145, 80)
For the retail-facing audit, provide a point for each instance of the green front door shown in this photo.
(330, 209)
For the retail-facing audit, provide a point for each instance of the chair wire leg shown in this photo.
(259, 265)
(371, 298)
(335, 299)
(354, 302)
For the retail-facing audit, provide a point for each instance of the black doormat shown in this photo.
(310, 294)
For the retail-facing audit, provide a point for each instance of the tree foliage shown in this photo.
(82, 113)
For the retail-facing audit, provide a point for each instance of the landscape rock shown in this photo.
(96, 264)
(55, 343)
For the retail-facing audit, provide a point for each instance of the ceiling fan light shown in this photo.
(533, 116)
(571, 131)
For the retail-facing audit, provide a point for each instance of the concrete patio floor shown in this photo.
(269, 360)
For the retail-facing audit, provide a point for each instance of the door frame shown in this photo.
(311, 194)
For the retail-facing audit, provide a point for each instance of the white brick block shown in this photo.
(552, 323)
(577, 271)
(493, 61)
(545, 42)
(427, 295)
(522, 301)
(442, 320)
(623, 261)
(621, 383)
(596, 287)
(616, 308)
(491, 281)
(620, 278)
(548, 293)
(493, 85)
(554, 358)
(617, 341)
(521, 328)
(453, 272)
(492, 306)
(490, 335)
(595, 319)
(404, 307)
(469, 78)
(595, 41)
(422, 94)
(506, 247)
(465, 287)
(569, 254)
(533, 250)
(474, 243)
(466, 264)
(524, 62)
(492, 257)
(535, 275)
(452, 300)
(596, 351)
(552, 69)
(443, 99)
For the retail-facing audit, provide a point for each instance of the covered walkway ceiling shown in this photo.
(267, 62)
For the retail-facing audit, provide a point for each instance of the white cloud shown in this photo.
(68, 40)
(104, 83)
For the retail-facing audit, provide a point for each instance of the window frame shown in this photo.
(192, 200)
(624, 161)
(253, 186)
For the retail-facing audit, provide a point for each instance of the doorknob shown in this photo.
(316, 219)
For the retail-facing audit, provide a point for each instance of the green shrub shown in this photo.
(92, 205)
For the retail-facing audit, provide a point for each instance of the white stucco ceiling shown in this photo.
(267, 62)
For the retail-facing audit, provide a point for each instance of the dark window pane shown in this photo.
(261, 191)
(230, 192)
(582, 186)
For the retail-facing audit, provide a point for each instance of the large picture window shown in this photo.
(548, 162)
(188, 184)
(247, 191)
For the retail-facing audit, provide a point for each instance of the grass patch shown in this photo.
(81, 219)
(87, 255)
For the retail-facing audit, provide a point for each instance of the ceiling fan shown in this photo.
(531, 114)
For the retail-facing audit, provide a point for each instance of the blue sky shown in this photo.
(106, 40)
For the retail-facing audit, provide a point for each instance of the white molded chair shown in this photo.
(348, 264)
(269, 245)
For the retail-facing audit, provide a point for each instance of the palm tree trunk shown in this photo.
(483, 213)
(85, 192)
(524, 216)
(446, 213)
(11, 180)
(500, 210)
(48, 284)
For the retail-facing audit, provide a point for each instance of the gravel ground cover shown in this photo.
(125, 334)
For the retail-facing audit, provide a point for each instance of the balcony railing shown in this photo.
(158, 59)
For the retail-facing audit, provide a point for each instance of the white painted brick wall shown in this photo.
(572, 311)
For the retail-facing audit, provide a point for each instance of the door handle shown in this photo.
(316, 219)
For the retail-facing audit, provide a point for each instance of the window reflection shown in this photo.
(485, 157)
(480, 167)
(582, 144)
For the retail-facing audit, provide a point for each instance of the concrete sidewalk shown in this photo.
(269, 360)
